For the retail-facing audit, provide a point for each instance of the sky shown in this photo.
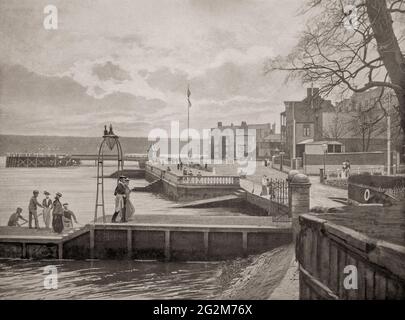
(129, 62)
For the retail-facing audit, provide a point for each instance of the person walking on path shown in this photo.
(32, 209)
(120, 197)
(13, 221)
(47, 205)
(57, 214)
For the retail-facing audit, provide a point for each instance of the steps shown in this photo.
(154, 186)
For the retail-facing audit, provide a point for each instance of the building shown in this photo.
(348, 127)
(302, 122)
(232, 142)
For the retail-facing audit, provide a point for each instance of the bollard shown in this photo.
(299, 199)
(321, 176)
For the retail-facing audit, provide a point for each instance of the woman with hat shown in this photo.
(57, 214)
(129, 207)
(47, 205)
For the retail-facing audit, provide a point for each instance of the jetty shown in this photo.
(191, 238)
(34, 160)
(37, 160)
(28, 243)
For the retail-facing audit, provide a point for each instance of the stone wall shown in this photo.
(333, 161)
(266, 206)
(183, 192)
(184, 243)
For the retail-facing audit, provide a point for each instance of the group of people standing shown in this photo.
(123, 205)
(53, 212)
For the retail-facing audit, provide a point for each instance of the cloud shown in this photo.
(110, 71)
(131, 61)
(52, 105)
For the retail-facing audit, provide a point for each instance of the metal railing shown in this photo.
(211, 180)
(278, 191)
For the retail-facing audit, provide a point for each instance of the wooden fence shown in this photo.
(324, 250)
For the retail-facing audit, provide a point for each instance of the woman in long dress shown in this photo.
(46, 214)
(57, 214)
(129, 207)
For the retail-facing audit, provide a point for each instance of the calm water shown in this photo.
(22, 279)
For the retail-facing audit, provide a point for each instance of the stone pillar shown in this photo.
(291, 174)
(299, 199)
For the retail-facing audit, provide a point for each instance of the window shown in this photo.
(330, 148)
(338, 148)
(307, 130)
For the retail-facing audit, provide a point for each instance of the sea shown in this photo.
(24, 279)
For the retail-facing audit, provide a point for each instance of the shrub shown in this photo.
(377, 181)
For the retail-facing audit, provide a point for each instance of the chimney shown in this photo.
(219, 124)
(315, 92)
(243, 124)
(309, 93)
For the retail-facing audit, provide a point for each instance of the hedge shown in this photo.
(386, 182)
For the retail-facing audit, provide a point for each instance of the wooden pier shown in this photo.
(27, 243)
(40, 160)
(179, 238)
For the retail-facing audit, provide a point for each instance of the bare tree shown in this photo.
(337, 127)
(366, 123)
(350, 48)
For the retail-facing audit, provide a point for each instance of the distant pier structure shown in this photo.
(37, 160)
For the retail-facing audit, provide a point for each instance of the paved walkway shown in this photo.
(321, 195)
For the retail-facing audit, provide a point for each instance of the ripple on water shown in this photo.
(108, 279)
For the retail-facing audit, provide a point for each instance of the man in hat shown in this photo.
(57, 214)
(68, 216)
(32, 209)
(47, 204)
(120, 197)
(13, 221)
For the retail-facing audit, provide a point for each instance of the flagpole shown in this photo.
(188, 130)
(188, 121)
